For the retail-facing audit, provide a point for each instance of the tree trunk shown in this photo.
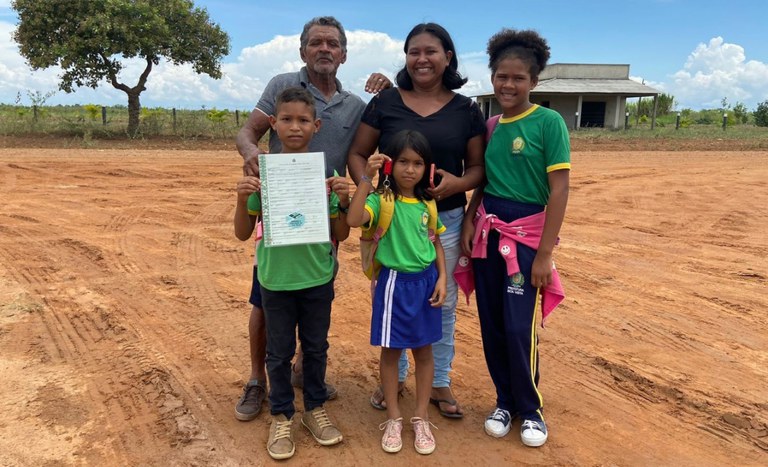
(134, 111)
(134, 106)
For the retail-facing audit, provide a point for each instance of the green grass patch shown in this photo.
(95, 122)
(667, 131)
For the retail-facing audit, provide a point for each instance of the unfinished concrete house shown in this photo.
(586, 95)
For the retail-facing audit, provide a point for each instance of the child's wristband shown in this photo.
(366, 178)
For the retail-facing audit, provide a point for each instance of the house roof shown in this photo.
(625, 87)
(584, 78)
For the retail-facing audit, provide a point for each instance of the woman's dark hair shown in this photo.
(451, 77)
(409, 139)
(527, 45)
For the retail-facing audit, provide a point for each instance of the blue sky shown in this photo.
(698, 51)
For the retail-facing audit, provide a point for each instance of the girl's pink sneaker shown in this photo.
(392, 441)
(425, 441)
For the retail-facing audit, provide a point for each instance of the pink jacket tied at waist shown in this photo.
(526, 230)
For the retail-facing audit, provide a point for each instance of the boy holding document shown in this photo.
(296, 287)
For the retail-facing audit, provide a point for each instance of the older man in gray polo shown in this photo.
(323, 49)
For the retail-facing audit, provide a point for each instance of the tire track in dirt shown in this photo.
(184, 330)
(178, 331)
(35, 250)
(625, 360)
(119, 227)
(648, 323)
(75, 337)
(73, 340)
(744, 422)
(95, 335)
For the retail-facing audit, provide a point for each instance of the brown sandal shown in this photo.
(377, 398)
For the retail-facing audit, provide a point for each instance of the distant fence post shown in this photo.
(103, 115)
(237, 118)
(725, 120)
(174, 120)
(626, 121)
(677, 121)
(576, 122)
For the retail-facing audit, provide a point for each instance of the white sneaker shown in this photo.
(498, 423)
(533, 433)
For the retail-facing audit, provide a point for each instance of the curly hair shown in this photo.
(452, 79)
(527, 45)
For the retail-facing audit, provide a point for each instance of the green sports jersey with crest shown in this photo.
(522, 151)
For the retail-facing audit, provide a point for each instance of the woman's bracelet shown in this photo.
(366, 178)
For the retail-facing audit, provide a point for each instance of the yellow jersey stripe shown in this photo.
(561, 166)
(534, 346)
(518, 117)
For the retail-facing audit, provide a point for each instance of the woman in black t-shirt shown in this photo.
(454, 126)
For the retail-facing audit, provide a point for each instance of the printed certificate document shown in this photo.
(294, 199)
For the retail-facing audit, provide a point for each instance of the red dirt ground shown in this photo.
(123, 318)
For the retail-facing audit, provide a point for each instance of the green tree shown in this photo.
(740, 112)
(89, 38)
(665, 104)
(761, 114)
(724, 105)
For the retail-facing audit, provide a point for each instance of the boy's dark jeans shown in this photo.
(310, 310)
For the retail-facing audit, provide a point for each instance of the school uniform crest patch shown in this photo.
(518, 144)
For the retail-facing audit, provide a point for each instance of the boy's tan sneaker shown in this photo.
(280, 444)
(319, 424)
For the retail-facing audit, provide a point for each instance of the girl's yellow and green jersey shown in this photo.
(405, 246)
(294, 267)
(522, 151)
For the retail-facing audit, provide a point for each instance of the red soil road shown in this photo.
(123, 319)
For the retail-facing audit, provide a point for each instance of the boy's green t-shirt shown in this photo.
(294, 267)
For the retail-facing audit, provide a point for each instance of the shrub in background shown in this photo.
(740, 113)
(219, 120)
(92, 111)
(153, 121)
(761, 114)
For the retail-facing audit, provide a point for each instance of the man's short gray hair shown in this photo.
(323, 21)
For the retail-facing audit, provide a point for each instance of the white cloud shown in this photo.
(243, 79)
(712, 71)
(716, 70)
